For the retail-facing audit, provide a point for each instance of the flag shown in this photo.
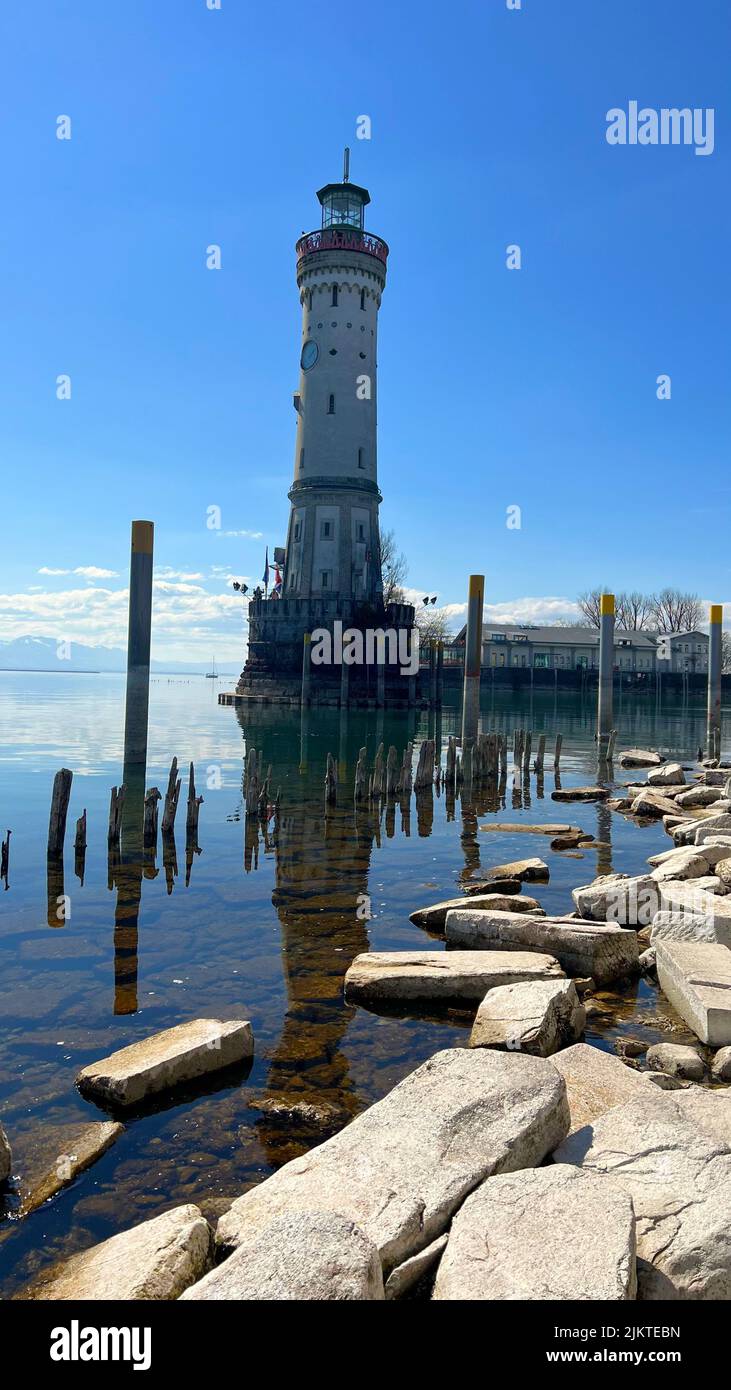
(277, 589)
(265, 579)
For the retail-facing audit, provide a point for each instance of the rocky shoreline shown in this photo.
(626, 1157)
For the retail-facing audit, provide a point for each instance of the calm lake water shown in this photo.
(264, 928)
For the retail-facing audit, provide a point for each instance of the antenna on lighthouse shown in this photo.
(346, 165)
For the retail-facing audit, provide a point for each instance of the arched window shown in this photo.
(331, 405)
(335, 297)
(362, 299)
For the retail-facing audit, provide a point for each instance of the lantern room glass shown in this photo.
(342, 209)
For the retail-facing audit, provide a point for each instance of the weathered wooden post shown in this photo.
(306, 667)
(59, 810)
(526, 753)
(5, 859)
(138, 651)
(361, 777)
(606, 673)
(472, 658)
(391, 772)
(715, 666)
(171, 798)
(116, 805)
(557, 751)
(540, 756)
(194, 805)
(331, 781)
(149, 825)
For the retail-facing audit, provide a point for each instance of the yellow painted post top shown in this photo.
(307, 638)
(606, 605)
(142, 537)
(717, 613)
(477, 586)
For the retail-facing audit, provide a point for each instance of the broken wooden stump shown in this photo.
(59, 810)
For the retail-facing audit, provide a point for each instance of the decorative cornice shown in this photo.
(334, 484)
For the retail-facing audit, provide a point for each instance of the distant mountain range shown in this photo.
(41, 654)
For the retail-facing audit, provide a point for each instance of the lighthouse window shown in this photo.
(302, 459)
(362, 299)
(361, 531)
(331, 405)
(296, 530)
(326, 529)
(335, 297)
(360, 459)
(324, 579)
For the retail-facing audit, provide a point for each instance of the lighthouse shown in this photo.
(332, 562)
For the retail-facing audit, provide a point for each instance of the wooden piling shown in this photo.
(361, 777)
(540, 756)
(392, 773)
(5, 859)
(116, 805)
(331, 781)
(526, 752)
(557, 751)
(149, 825)
(171, 798)
(80, 837)
(138, 650)
(194, 805)
(59, 810)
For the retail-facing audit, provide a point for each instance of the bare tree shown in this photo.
(634, 611)
(676, 611)
(726, 653)
(394, 569)
(433, 624)
(589, 603)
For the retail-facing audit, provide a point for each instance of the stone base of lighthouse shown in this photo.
(273, 670)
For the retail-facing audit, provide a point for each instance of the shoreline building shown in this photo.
(332, 559)
(639, 652)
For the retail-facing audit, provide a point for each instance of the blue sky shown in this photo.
(497, 388)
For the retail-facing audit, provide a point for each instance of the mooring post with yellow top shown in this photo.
(715, 663)
(606, 672)
(138, 653)
(472, 659)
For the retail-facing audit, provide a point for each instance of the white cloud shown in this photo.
(45, 570)
(86, 572)
(250, 535)
(165, 572)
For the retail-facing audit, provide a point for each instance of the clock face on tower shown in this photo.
(310, 354)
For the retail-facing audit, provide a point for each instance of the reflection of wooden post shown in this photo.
(5, 860)
(715, 664)
(472, 658)
(194, 805)
(138, 649)
(331, 781)
(59, 810)
(606, 672)
(116, 803)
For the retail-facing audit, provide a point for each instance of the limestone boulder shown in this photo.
(405, 978)
(165, 1060)
(618, 899)
(640, 757)
(401, 1169)
(600, 950)
(155, 1261)
(300, 1256)
(596, 1081)
(527, 870)
(668, 775)
(682, 925)
(698, 796)
(723, 871)
(676, 1060)
(679, 1180)
(544, 1234)
(433, 918)
(652, 802)
(538, 1017)
(721, 1065)
(696, 978)
(685, 862)
(405, 1276)
(580, 794)
(57, 1155)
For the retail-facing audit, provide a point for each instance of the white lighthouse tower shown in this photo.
(332, 564)
(333, 545)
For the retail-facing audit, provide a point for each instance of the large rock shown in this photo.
(57, 1155)
(679, 1179)
(5, 1157)
(165, 1060)
(713, 826)
(721, 1065)
(156, 1260)
(401, 978)
(616, 898)
(682, 925)
(604, 951)
(538, 1018)
(528, 870)
(545, 1234)
(299, 1257)
(403, 1167)
(652, 803)
(669, 775)
(683, 862)
(596, 1081)
(693, 900)
(676, 1060)
(723, 869)
(698, 796)
(580, 794)
(696, 977)
(433, 918)
(640, 757)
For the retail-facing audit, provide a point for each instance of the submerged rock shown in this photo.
(580, 794)
(528, 870)
(640, 757)
(544, 1234)
(537, 1017)
(156, 1260)
(402, 1168)
(444, 977)
(166, 1059)
(679, 1179)
(299, 1257)
(60, 1154)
